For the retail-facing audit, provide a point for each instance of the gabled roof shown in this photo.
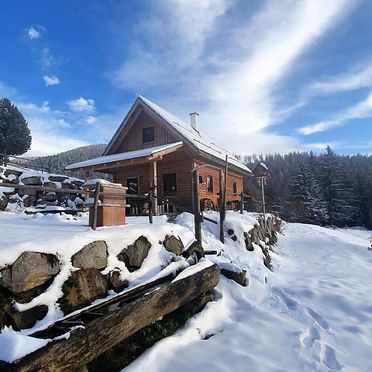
(185, 132)
(123, 156)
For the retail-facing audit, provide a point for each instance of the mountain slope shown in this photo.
(57, 163)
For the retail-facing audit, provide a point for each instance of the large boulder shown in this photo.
(94, 255)
(173, 244)
(30, 270)
(82, 287)
(135, 253)
(32, 180)
(15, 172)
(57, 178)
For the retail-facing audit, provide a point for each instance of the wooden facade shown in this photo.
(170, 172)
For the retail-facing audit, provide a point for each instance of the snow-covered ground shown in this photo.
(313, 314)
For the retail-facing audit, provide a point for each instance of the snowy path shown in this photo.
(314, 314)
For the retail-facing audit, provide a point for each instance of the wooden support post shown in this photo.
(153, 184)
(95, 205)
(241, 202)
(221, 203)
(151, 208)
(196, 207)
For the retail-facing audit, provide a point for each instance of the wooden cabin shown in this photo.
(152, 147)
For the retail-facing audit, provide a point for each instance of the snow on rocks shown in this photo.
(93, 255)
(24, 197)
(127, 256)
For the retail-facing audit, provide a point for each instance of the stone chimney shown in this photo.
(194, 120)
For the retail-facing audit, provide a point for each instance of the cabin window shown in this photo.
(148, 134)
(210, 184)
(170, 183)
(235, 188)
(200, 179)
(132, 184)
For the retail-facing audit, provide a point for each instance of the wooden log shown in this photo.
(196, 202)
(95, 205)
(101, 334)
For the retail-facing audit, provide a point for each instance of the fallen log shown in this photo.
(101, 334)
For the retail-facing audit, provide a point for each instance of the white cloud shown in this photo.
(51, 80)
(359, 77)
(91, 119)
(82, 105)
(33, 33)
(359, 111)
(228, 69)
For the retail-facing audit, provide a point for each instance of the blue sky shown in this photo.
(265, 76)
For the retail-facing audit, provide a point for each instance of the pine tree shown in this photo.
(15, 136)
(306, 200)
(341, 199)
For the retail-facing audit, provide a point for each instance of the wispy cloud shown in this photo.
(82, 105)
(51, 80)
(359, 77)
(34, 33)
(359, 111)
(46, 58)
(228, 69)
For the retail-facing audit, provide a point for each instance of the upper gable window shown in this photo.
(148, 134)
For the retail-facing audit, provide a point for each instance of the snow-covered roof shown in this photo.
(193, 137)
(123, 156)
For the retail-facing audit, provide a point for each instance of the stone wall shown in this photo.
(33, 272)
(26, 196)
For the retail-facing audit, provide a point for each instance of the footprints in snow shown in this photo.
(311, 338)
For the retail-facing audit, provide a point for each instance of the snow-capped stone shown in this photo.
(94, 255)
(30, 270)
(135, 253)
(173, 244)
(32, 180)
(57, 178)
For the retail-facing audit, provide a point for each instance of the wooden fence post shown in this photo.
(95, 205)
(221, 202)
(151, 206)
(196, 201)
(241, 202)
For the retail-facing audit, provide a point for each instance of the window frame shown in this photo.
(144, 129)
(209, 184)
(235, 188)
(170, 191)
(132, 178)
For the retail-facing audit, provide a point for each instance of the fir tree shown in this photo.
(15, 136)
(306, 200)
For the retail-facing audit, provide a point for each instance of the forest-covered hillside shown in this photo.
(325, 189)
(57, 163)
